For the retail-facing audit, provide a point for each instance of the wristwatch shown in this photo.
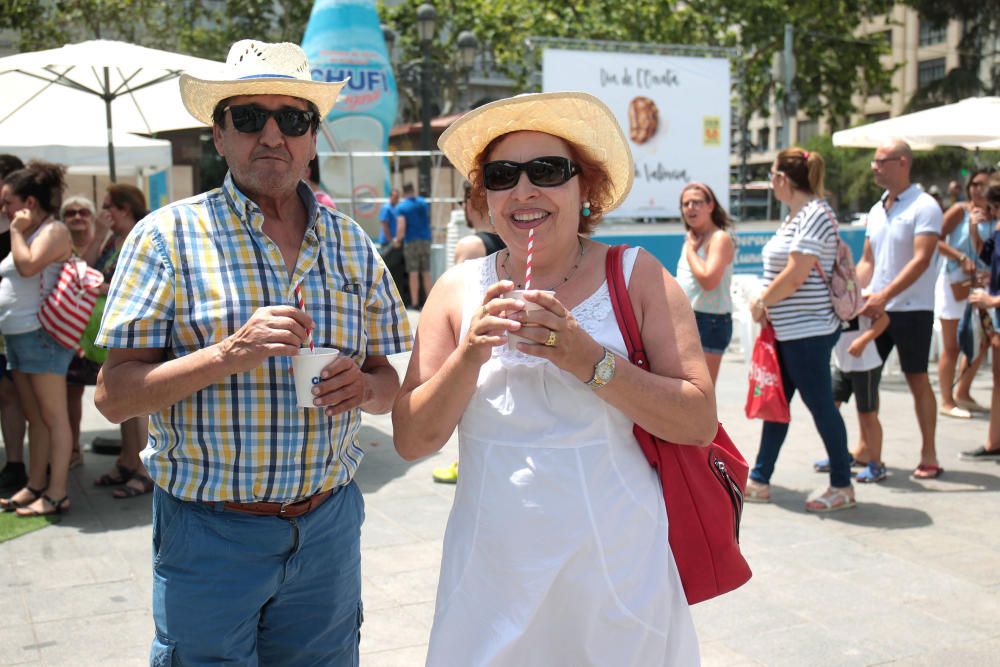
(604, 370)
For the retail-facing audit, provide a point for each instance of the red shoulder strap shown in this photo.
(622, 303)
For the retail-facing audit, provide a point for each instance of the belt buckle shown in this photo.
(284, 506)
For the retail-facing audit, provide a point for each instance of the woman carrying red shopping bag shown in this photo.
(796, 301)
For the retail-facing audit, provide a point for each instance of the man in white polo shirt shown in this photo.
(898, 264)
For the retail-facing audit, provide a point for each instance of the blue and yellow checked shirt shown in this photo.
(191, 274)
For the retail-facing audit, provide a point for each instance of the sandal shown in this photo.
(130, 491)
(757, 492)
(124, 474)
(9, 504)
(832, 500)
(927, 471)
(58, 507)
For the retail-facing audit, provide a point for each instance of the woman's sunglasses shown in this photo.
(545, 172)
(74, 212)
(250, 118)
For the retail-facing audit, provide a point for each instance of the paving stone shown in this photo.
(113, 639)
(18, 645)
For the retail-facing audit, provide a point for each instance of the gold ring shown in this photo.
(551, 340)
(485, 310)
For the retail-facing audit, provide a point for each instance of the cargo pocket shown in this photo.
(162, 653)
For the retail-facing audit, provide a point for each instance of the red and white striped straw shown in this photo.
(302, 307)
(531, 249)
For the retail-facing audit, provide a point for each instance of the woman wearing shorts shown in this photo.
(966, 226)
(39, 246)
(705, 270)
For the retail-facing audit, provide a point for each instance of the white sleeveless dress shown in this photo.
(556, 548)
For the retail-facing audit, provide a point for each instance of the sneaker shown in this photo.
(447, 474)
(823, 465)
(981, 454)
(13, 477)
(873, 472)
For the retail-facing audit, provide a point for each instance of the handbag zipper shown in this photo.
(735, 495)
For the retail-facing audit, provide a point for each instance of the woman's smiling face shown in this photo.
(553, 212)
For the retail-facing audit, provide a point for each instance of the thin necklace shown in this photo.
(579, 260)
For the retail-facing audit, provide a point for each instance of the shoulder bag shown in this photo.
(702, 486)
(64, 313)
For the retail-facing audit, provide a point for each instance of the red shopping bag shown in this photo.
(766, 396)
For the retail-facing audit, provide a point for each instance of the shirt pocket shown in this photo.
(340, 321)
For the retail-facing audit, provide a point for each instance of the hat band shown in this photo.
(266, 76)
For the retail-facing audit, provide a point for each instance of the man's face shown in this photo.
(268, 162)
(394, 197)
(888, 168)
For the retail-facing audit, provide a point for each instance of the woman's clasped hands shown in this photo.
(550, 329)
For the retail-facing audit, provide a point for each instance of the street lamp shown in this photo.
(422, 75)
(426, 15)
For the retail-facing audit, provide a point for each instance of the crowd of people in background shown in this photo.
(905, 289)
(43, 386)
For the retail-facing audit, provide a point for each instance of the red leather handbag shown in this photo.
(702, 486)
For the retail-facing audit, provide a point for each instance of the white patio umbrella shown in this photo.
(120, 86)
(972, 123)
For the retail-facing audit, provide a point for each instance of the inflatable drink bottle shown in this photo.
(343, 39)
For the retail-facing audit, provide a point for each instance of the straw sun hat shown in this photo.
(259, 68)
(579, 118)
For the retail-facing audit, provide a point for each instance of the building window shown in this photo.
(763, 139)
(807, 130)
(931, 33)
(885, 36)
(875, 117)
(929, 71)
(779, 132)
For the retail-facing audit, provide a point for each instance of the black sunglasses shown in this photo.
(251, 118)
(545, 172)
(73, 212)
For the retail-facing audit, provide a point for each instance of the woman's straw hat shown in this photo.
(579, 118)
(259, 68)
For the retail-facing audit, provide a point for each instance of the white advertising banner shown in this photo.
(674, 111)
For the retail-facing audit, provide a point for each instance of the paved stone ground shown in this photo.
(910, 577)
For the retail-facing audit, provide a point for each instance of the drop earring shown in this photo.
(585, 210)
(490, 214)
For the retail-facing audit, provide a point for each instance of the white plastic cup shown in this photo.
(307, 366)
(512, 338)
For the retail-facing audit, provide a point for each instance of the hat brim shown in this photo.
(200, 96)
(579, 118)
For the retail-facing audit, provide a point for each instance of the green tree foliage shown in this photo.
(188, 26)
(832, 63)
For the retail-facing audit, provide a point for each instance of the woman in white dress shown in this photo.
(556, 548)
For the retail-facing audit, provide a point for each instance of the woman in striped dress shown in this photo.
(796, 300)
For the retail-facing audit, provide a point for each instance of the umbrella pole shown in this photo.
(107, 114)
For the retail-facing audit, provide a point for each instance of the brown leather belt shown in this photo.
(282, 510)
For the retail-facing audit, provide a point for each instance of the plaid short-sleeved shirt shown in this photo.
(191, 274)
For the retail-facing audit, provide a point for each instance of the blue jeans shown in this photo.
(236, 589)
(805, 365)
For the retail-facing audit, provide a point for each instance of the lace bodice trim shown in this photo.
(590, 313)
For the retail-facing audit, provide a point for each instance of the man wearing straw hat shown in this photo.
(256, 520)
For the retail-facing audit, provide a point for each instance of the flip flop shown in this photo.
(927, 471)
(131, 491)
